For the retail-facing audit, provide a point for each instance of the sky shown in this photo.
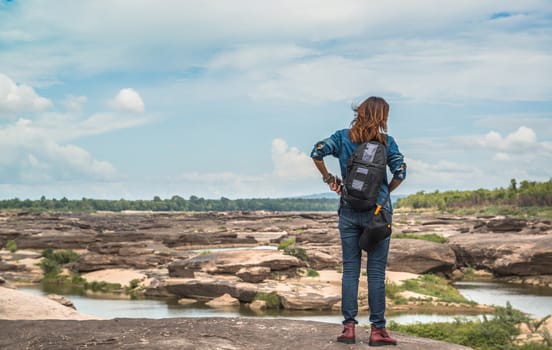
(134, 99)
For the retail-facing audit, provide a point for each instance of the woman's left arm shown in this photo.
(395, 162)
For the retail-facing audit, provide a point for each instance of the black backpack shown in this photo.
(365, 174)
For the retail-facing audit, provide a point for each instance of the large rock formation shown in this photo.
(231, 261)
(420, 256)
(505, 254)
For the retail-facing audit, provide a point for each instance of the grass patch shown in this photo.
(286, 243)
(289, 248)
(393, 291)
(437, 287)
(297, 252)
(496, 332)
(272, 300)
(53, 261)
(75, 283)
(312, 273)
(432, 237)
(11, 246)
(134, 288)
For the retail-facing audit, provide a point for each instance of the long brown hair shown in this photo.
(370, 123)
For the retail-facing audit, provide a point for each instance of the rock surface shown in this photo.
(505, 254)
(191, 334)
(419, 256)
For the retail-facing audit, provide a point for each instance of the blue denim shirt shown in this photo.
(340, 146)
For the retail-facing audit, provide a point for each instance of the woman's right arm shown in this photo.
(333, 182)
(322, 149)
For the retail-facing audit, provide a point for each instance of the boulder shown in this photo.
(505, 254)
(307, 301)
(180, 268)
(319, 260)
(55, 239)
(258, 305)
(4, 266)
(231, 261)
(92, 261)
(209, 288)
(223, 301)
(213, 238)
(254, 274)
(506, 225)
(420, 256)
(316, 236)
(121, 248)
(61, 300)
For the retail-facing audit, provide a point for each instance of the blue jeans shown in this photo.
(351, 224)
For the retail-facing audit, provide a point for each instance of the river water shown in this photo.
(537, 302)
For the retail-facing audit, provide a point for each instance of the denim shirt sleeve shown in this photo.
(395, 160)
(330, 145)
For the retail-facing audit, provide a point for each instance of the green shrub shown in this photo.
(312, 273)
(61, 257)
(272, 300)
(11, 245)
(133, 284)
(497, 332)
(286, 243)
(49, 267)
(102, 286)
(53, 261)
(299, 253)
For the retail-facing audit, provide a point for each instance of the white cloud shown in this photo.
(417, 50)
(293, 173)
(261, 56)
(34, 152)
(39, 149)
(520, 141)
(128, 100)
(74, 103)
(289, 162)
(439, 174)
(16, 98)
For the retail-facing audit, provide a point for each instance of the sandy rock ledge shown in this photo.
(191, 333)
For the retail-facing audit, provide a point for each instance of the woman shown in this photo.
(369, 124)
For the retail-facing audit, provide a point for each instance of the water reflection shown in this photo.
(98, 305)
(536, 301)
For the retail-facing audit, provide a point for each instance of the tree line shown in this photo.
(176, 203)
(524, 194)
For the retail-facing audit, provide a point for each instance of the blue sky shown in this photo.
(133, 99)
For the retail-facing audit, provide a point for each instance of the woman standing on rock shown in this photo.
(369, 124)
